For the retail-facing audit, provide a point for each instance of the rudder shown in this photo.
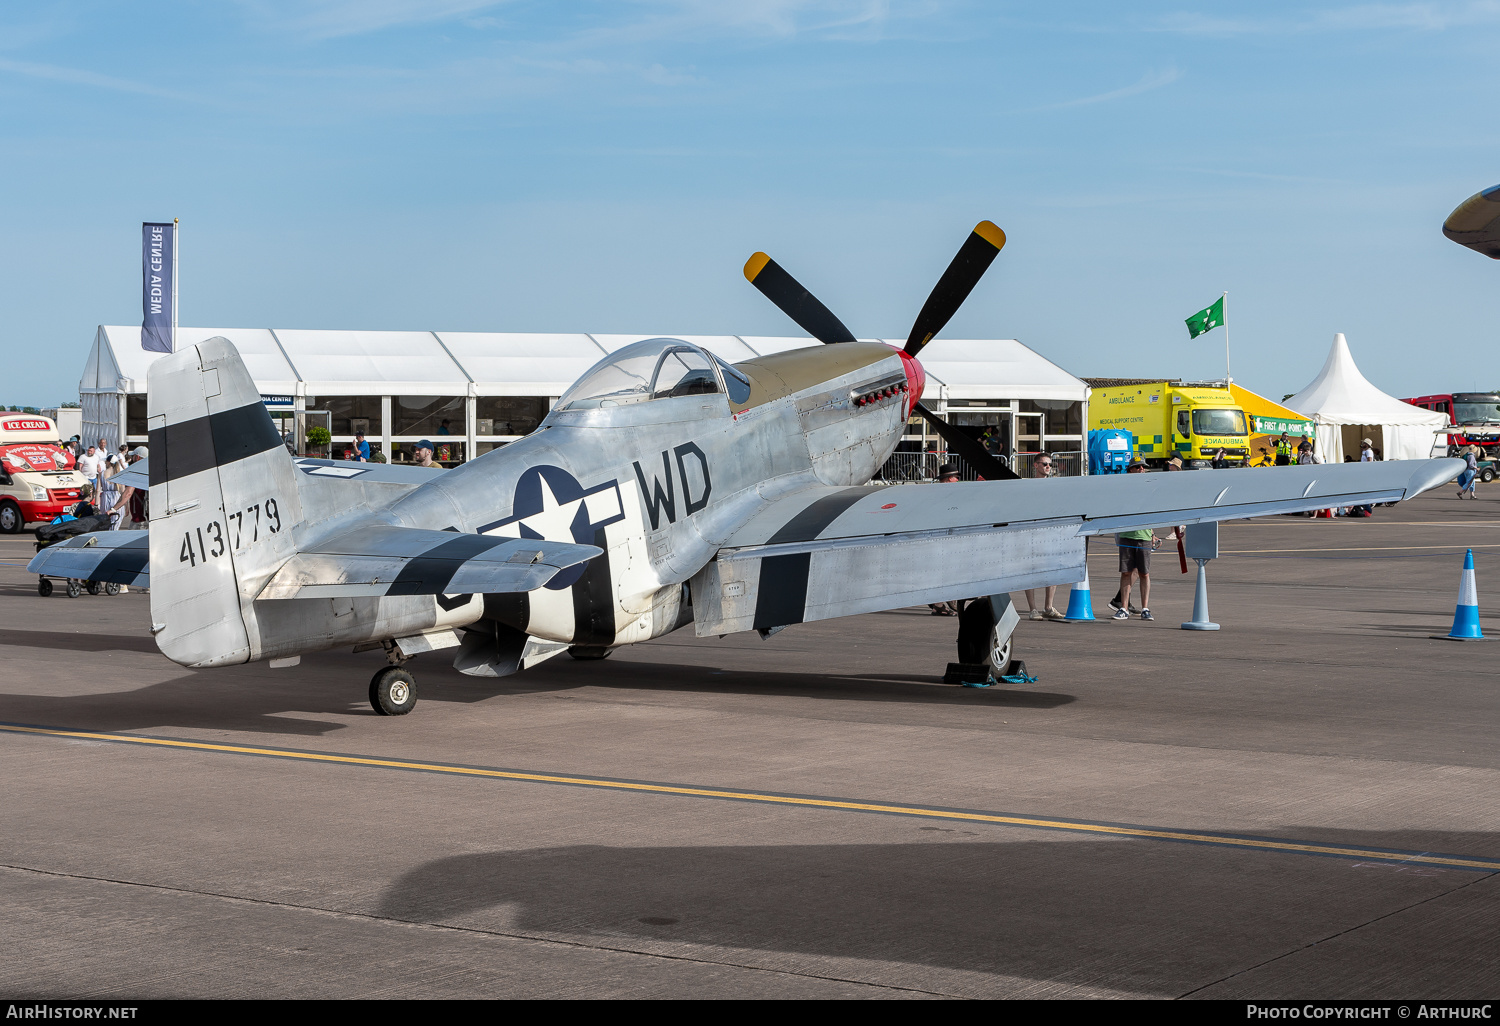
(223, 503)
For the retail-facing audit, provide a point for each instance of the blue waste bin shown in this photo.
(1110, 450)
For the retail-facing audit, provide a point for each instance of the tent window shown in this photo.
(135, 415)
(1061, 416)
(349, 413)
(428, 415)
(508, 414)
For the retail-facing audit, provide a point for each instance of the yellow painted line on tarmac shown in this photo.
(812, 801)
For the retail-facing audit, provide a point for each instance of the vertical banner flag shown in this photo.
(157, 281)
(1206, 319)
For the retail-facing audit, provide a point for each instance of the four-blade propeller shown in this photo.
(972, 260)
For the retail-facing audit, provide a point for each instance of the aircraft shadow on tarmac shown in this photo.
(855, 687)
(83, 641)
(1134, 916)
(260, 700)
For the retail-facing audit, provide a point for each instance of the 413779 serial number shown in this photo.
(212, 541)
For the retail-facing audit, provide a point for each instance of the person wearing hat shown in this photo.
(132, 500)
(361, 447)
(946, 474)
(425, 449)
(1367, 451)
(1283, 451)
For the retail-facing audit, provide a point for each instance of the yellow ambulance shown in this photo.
(1194, 420)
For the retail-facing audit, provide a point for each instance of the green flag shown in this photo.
(1206, 320)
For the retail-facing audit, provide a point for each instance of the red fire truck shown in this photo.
(37, 479)
(1475, 415)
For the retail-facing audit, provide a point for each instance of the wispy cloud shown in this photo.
(331, 19)
(1149, 81)
(1428, 17)
(622, 20)
(78, 76)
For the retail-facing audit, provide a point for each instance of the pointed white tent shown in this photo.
(1346, 408)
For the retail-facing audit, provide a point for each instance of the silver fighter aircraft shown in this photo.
(666, 488)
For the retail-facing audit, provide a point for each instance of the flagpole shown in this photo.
(177, 260)
(1225, 311)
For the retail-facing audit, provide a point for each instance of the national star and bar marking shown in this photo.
(1475, 863)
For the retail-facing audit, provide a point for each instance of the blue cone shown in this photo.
(1466, 614)
(1080, 605)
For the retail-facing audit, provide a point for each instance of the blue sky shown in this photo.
(609, 166)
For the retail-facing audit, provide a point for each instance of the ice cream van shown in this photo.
(37, 479)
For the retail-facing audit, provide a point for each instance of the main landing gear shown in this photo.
(393, 691)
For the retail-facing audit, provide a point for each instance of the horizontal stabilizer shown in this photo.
(352, 470)
(373, 561)
(136, 475)
(111, 557)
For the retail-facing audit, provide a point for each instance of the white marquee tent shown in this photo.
(491, 387)
(1347, 408)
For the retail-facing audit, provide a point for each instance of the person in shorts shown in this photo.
(1135, 559)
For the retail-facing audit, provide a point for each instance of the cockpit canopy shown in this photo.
(657, 368)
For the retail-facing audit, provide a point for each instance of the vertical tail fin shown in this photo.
(223, 504)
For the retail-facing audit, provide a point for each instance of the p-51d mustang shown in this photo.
(666, 488)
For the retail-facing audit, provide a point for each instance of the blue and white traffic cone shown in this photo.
(1080, 605)
(1466, 616)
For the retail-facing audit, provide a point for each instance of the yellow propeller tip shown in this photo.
(991, 233)
(755, 265)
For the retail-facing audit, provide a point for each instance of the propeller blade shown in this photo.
(987, 466)
(795, 301)
(974, 258)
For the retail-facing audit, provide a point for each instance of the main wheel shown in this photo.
(11, 520)
(44, 587)
(590, 652)
(393, 692)
(92, 587)
(74, 588)
(1000, 653)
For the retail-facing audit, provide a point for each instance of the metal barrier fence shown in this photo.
(917, 467)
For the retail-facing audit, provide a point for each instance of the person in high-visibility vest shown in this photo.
(1284, 451)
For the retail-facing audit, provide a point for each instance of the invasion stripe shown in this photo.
(781, 596)
(430, 572)
(193, 446)
(124, 564)
(1397, 856)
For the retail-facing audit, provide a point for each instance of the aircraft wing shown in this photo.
(372, 561)
(826, 551)
(111, 557)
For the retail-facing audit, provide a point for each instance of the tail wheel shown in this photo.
(393, 692)
(1001, 653)
(11, 520)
